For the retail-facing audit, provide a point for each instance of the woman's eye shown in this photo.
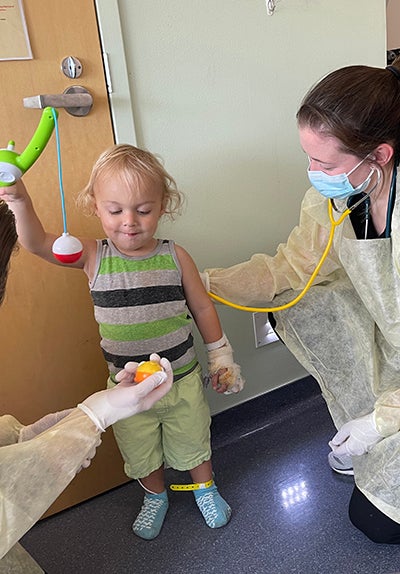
(325, 168)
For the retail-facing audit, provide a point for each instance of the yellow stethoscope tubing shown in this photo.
(334, 224)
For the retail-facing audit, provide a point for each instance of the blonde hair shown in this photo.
(133, 166)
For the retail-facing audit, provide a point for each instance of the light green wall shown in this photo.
(214, 86)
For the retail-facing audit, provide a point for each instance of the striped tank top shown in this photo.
(140, 307)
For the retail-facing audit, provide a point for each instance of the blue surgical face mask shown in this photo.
(338, 186)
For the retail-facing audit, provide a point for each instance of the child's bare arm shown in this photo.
(198, 301)
(224, 373)
(31, 234)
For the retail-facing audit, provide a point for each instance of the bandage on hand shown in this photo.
(222, 370)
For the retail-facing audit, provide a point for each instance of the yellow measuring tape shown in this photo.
(334, 224)
(194, 486)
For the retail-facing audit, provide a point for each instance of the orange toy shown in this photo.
(146, 369)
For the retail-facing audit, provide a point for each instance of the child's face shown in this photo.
(129, 216)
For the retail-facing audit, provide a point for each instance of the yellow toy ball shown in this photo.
(146, 369)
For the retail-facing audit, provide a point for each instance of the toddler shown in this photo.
(146, 293)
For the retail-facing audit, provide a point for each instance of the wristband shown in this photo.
(217, 344)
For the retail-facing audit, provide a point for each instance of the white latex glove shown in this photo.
(356, 437)
(127, 399)
(30, 431)
(220, 358)
(127, 374)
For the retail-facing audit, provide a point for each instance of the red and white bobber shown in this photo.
(67, 248)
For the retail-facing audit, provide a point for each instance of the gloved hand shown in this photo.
(30, 431)
(222, 371)
(356, 437)
(127, 399)
(127, 375)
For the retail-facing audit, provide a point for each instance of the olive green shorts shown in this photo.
(175, 432)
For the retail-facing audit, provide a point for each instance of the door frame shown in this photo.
(116, 71)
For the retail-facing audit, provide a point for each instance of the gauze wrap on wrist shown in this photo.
(220, 356)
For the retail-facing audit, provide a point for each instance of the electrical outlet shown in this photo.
(263, 332)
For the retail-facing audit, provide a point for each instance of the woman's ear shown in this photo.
(383, 154)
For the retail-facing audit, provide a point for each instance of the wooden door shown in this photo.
(49, 341)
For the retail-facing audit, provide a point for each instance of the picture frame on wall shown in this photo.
(14, 38)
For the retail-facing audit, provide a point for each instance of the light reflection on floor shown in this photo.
(294, 494)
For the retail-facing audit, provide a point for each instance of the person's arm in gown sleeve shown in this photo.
(263, 276)
(387, 413)
(10, 429)
(34, 473)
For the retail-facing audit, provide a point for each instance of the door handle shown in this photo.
(76, 100)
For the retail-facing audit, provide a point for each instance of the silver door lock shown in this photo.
(71, 67)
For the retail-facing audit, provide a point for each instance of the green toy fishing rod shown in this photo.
(67, 248)
(14, 165)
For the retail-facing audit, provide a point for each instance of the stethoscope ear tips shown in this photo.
(67, 249)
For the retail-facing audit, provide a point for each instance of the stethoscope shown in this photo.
(332, 207)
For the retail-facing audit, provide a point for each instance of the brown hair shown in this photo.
(133, 166)
(358, 105)
(8, 243)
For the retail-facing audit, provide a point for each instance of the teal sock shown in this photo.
(215, 510)
(150, 519)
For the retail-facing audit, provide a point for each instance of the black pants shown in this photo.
(371, 521)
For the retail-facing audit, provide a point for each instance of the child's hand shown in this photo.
(228, 380)
(218, 383)
(224, 373)
(13, 193)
